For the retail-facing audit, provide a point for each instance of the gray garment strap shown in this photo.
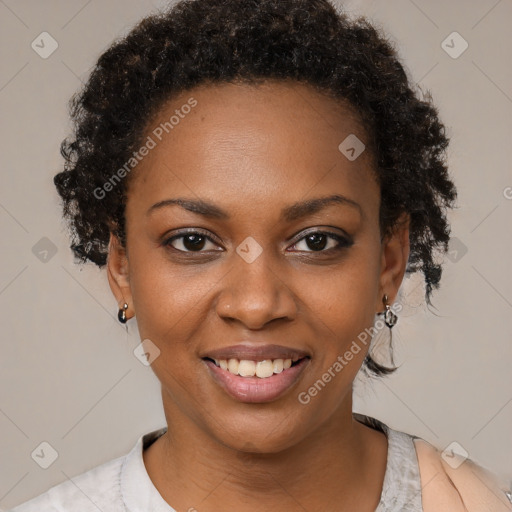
(401, 490)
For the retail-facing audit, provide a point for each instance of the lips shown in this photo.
(256, 373)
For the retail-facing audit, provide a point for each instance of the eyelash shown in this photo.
(342, 241)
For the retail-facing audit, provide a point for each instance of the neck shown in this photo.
(191, 469)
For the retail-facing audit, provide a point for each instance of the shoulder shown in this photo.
(93, 490)
(459, 486)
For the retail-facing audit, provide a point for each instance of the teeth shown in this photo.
(247, 368)
(261, 369)
(264, 369)
(233, 366)
(278, 365)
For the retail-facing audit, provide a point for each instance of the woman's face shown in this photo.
(258, 263)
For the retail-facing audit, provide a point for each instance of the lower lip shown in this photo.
(254, 389)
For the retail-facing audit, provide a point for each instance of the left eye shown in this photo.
(318, 241)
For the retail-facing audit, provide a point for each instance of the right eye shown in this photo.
(189, 241)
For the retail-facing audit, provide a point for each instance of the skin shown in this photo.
(253, 150)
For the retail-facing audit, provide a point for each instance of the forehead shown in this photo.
(271, 142)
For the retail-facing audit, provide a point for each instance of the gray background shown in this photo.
(68, 375)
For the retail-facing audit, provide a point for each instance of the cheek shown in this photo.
(342, 315)
(167, 305)
(166, 297)
(344, 297)
(341, 308)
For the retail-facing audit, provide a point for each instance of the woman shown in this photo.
(257, 176)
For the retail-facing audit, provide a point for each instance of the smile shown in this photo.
(261, 369)
(253, 381)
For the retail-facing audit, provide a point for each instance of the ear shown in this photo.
(118, 274)
(394, 257)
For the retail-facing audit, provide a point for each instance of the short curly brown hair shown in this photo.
(219, 41)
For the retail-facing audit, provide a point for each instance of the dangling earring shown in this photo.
(389, 317)
(121, 315)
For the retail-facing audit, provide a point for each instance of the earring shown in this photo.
(121, 315)
(389, 317)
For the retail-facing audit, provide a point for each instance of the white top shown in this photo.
(123, 484)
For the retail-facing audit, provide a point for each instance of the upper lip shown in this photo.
(255, 352)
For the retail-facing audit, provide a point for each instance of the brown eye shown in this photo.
(190, 242)
(322, 241)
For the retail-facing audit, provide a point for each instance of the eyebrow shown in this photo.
(289, 213)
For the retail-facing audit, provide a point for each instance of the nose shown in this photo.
(255, 294)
